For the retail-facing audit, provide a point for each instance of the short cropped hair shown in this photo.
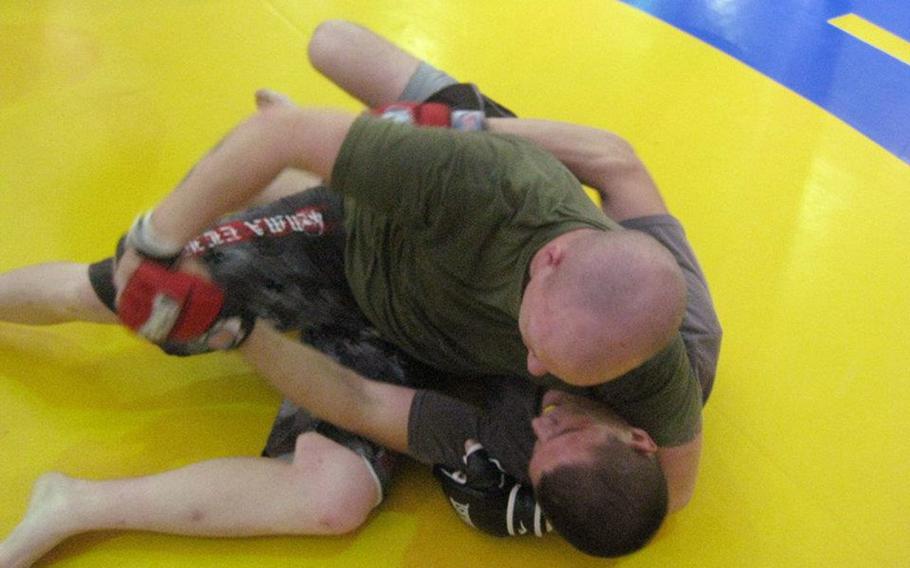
(607, 506)
(630, 289)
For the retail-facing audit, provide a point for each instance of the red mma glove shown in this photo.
(432, 114)
(163, 305)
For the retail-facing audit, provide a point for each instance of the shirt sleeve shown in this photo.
(662, 396)
(701, 330)
(438, 426)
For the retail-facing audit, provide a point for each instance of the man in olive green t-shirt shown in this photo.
(525, 281)
(439, 267)
(591, 304)
(437, 254)
(481, 254)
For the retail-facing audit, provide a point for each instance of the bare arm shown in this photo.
(240, 167)
(312, 380)
(599, 159)
(244, 163)
(680, 465)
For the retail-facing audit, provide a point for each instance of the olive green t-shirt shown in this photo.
(441, 226)
(663, 396)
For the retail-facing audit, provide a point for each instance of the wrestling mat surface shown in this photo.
(778, 136)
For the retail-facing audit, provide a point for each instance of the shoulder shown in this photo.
(662, 396)
(701, 330)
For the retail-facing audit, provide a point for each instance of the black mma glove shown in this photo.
(487, 498)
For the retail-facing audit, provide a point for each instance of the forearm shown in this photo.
(598, 158)
(680, 467)
(312, 380)
(246, 161)
(582, 149)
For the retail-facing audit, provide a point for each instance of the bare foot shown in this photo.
(267, 97)
(47, 522)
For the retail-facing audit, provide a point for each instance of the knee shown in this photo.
(343, 507)
(328, 41)
(342, 517)
(343, 491)
(620, 152)
(82, 302)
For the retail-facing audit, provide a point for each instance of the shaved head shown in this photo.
(611, 301)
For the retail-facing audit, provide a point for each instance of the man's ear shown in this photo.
(642, 442)
(546, 259)
(557, 253)
(553, 255)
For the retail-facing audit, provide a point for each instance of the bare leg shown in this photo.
(327, 490)
(50, 293)
(60, 292)
(367, 66)
(290, 181)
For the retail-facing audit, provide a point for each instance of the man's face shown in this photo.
(570, 427)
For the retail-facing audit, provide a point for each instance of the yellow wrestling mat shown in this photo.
(800, 222)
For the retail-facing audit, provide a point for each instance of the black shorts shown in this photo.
(288, 258)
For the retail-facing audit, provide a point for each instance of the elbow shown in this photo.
(616, 161)
(679, 499)
(680, 467)
(617, 153)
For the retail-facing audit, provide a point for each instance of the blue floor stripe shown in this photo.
(792, 42)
